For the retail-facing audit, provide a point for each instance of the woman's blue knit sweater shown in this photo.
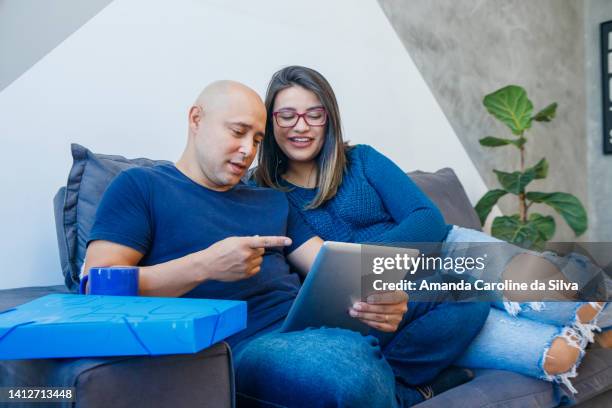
(376, 203)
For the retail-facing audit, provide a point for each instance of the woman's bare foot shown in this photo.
(587, 312)
(604, 339)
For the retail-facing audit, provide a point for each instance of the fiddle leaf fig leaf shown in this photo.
(492, 141)
(486, 203)
(515, 182)
(511, 106)
(567, 205)
(511, 229)
(540, 170)
(547, 114)
(545, 225)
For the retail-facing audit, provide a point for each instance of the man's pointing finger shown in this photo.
(269, 242)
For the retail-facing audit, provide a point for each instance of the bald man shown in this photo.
(193, 228)
(196, 231)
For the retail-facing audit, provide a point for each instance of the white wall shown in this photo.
(122, 84)
(29, 29)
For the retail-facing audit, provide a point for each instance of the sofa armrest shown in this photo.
(204, 379)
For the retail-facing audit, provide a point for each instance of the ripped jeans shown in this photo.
(517, 336)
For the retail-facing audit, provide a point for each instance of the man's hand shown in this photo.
(383, 311)
(236, 258)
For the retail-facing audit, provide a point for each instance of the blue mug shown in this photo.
(111, 281)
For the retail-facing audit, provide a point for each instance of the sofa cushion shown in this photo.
(445, 190)
(89, 177)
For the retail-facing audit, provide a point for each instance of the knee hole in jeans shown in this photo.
(561, 357)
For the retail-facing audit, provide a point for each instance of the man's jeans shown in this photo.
(330, 367)
(516, 336)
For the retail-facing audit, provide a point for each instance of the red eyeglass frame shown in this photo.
(299, 116)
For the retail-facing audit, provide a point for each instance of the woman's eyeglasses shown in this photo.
(287, 118)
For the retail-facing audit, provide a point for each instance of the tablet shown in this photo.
(334, 284)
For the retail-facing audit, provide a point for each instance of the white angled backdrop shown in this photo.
(123, 82)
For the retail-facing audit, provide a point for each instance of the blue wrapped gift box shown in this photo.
(56, 326)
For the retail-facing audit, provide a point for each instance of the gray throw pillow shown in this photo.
(445, 190)
(89, 177)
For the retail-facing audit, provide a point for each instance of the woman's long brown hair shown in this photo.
(331, 161)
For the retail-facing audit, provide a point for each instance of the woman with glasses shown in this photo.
(355, 194)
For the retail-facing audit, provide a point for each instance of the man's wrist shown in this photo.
(198, 265)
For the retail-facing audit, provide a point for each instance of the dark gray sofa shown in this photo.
(206, 377)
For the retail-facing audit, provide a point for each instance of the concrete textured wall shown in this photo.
(599, 165)
(467, 49)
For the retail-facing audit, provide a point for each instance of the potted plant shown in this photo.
(529, 229)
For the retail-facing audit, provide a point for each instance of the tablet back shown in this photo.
(331, 287)
(335, 282)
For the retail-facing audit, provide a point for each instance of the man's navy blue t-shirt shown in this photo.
(165, 215)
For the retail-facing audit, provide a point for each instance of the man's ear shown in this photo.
(195, 115)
